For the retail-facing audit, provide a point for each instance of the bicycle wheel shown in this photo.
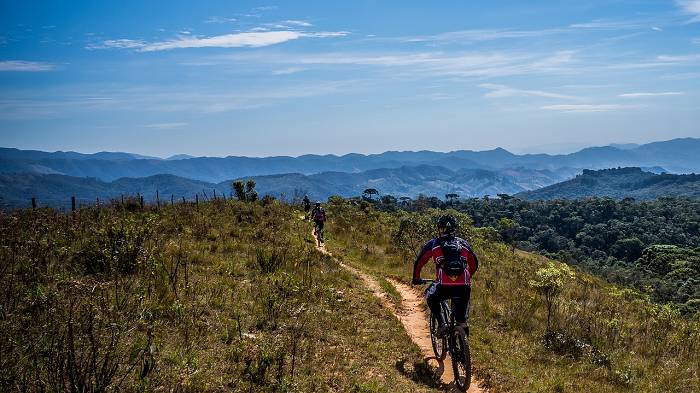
(439, 344)
(461, 360)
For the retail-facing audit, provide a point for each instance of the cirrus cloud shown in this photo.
(251, 39)
(25, 66)
(585, 108)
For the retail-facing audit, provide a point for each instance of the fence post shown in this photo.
(141, 200)
(183, 200)
(33, 203)
(215, 194)
(196, 200)
(122, 199)
(172, 199)
(72, 203)
(157, 200)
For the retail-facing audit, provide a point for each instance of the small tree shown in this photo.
(549, 282)
(245, 192)
(239, 189)
(250, 194)
(450, 198)
(369, 193)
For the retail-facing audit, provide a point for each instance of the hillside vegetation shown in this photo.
(620, 183)
(227, 296)
(232, 296)
(626, 242)
(599, 337)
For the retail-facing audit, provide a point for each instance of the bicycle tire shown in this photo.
(461, 360)
(439, 344)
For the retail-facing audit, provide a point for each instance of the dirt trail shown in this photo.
(412, 317)
(415, 322)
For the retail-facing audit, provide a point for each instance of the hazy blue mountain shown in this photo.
(180, 157)
(677, 156)
(16, 190)
(620, 183)
(17, 154)
(624, 146)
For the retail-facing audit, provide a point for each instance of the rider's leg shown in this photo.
(461, 303)
(434, 296)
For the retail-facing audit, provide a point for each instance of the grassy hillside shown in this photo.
(601, 338)
(228, 297)
(619, 183)
(232, 296)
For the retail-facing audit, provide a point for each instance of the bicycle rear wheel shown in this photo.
(439, 344)
(461, 360)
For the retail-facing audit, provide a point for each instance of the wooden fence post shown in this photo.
(33, 203)
(196, 200)
(157, 200)
(172, 199)
(141, 200)
(183, 200)
(215, 194)
(72, 203)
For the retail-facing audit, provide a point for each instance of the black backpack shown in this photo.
(453, 263)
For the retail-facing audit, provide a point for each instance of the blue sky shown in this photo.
(288, 77)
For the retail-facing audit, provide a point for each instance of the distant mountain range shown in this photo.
(56, 190)
(675, 156)
(54, 177)
(620, 183)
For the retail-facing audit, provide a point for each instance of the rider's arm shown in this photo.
(423, 257)
(472, 260)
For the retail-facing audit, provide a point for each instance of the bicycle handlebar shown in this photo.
(426, 281)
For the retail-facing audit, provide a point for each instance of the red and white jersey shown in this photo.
(433, 249)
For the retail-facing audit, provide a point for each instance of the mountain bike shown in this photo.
(455, 342)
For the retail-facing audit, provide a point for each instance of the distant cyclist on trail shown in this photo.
(455, 263)
(307, 206)
(319, 217)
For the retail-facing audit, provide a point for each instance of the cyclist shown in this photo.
(455, 263)
(307, 206)
(319, 217)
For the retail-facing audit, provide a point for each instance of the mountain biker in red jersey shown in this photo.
(319, 217)
(455, 263)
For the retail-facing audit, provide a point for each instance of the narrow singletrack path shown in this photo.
(412, 317)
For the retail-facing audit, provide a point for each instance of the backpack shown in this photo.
(453, 263)
(319, 215)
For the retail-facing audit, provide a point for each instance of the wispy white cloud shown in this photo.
(288, 71)
(287, 24)
(480, 35)
(117, 44)
(25, 66)
(585, 108)
(265, 8)
(220, 19)
(658, 94)
(426, 64)
(165, 126)
(696, 40)
(501, 91)
(690, 7)
(235, 40)
(66, 102)
(679, 58)
(607, 24)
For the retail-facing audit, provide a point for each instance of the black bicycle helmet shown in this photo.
(447, 222)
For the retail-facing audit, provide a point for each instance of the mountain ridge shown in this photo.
(676, 156)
